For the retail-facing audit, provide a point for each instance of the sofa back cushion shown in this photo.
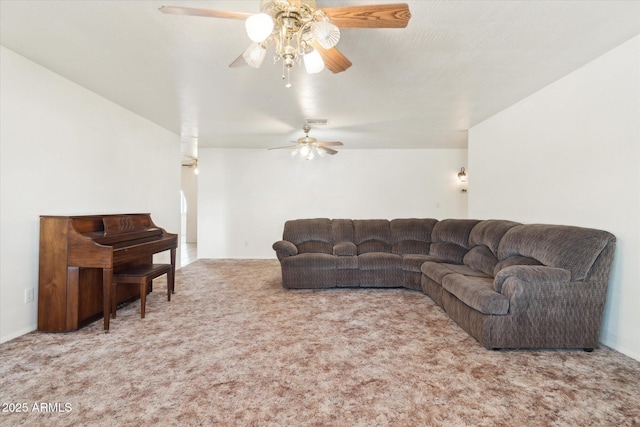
(563, 246)
(450, 239)
(342, 230)
(372, 235)
(480, 258)
(411, 235)
(483, 241)
(309, 235)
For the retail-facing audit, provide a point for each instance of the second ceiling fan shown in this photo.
(301, 31)
(308, 147)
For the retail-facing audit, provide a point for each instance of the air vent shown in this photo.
(317, 122)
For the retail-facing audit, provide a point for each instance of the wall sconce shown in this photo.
(462, 175)
(191, 163)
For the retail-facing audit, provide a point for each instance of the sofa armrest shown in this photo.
(284, 249)
(534, 274)
(345, 249)
(552, 314)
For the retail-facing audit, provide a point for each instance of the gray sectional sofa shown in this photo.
(507, 284)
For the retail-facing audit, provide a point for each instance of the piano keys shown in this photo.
(78, 256)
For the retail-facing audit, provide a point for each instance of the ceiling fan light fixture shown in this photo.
(259, 27)
(304, 151)
(295, 25)
(313, 62)
(254, 55)
(326, 34)
(307, 147)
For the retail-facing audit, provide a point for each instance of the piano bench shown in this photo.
(141, 275)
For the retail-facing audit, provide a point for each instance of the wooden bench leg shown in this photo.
(142, 275)
(143, 297)
(107, 279)
(172, 272)
(114, 301)
(170, 284)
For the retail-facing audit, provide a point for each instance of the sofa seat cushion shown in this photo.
(346, 262)
(311, 261)
(437, 270)
(413, 262)
(477, 293)
(379, 261)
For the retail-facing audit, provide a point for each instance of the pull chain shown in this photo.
(288, 76)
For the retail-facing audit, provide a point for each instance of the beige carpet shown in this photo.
(234, 348)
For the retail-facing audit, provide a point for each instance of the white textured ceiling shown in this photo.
(456, 64)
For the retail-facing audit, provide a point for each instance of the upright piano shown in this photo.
(78, 256)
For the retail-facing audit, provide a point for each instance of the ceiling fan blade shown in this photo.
(330, 144)
(209, 13)
(333, 59)
(372, 16)
(241, 61)
(327, 150)
(238, 62)
(280, 148)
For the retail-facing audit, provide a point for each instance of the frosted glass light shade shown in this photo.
(259, 27)
(313, 62)
(462, 175)
(326, 34)
(254, 55)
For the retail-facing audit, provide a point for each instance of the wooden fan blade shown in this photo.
(209, 13)
(330, 144)
(333, 59)
(373, 16)
(327, 150)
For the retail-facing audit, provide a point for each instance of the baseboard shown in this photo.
(18, 333)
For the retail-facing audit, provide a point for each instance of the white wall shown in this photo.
(65, 150)
(570, 154)
(190, 191)
(246, 195)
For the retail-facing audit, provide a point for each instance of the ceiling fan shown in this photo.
(299, 29)
(308, 147)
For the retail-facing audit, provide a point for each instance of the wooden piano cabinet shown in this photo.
(74, 267)
(53, 276)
